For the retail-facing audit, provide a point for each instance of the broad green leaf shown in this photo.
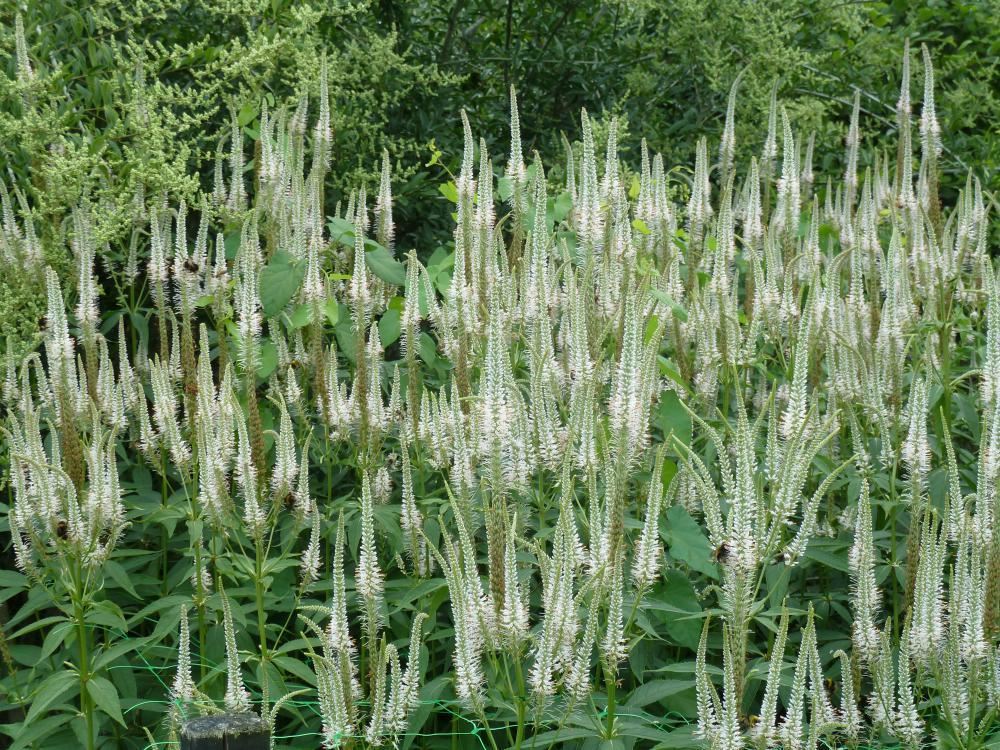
(553, 738)
(655, 691)
(55, 638)
(632, 728)
(52, 688)
(11, 579)
(450, 191)
(382, 264)
(412, 593)
(505, 188)
(295, 667)
(268, 359)
(36, 625)
(634, 187)
(26, 735)
(167, 602)
(429, 694)
(428, 350)
(342, 231)
(668, 369)
(232, 244)
(829, 552)
(332, 311)
(668, 472)
(651, 326)
(562, 205)
(280, 279)
(680, 595)
(105, 697)
(682, 737)
(117, 574)
(346, 338)
(389, 328)
(689, 667)
(640, 226)
(246, 114)
(662, 297)
(688, 543)
(108, 614)
(301, 316)
(673, 419)
(107, 656)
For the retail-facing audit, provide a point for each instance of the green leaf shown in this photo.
(682, 737)
(382, 264)
(412, 593)
(108, 614)
(107, 656)
(655, 691)
(26, 735)
(268, 359)
(11, 579)
(679, 593)
(106, 697)
(640, 226)
(429, 695)
(673, 419)
(688, 543)
(54, 639)
(342, 231)
(118, 575)
(642, 731)
(246, 114)
(389, 328)
(829, 552)
(35, 625)
(280, 279)
(428, 350)
(634, 187)
(547, 739)
(166, 603)
(651, 326)
(54, 687)
(505, 188)
(562, 205)
(232, 244)
(295, 667)
(301, 317)
(347, 339)
(662, 297)
(668, 369)
(668, 472)
(450, 191)
(332, 311)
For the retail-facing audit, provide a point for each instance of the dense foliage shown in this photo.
(627, 455)
(127, 100)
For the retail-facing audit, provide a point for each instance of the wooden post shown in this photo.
(226, 732)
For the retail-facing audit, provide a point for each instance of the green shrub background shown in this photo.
(127, 94)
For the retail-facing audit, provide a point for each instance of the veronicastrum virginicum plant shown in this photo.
(329, 457)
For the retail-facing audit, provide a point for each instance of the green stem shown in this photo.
(609, 680)
(521, 702)
(202, 625)
(892, 539)
(164, 501)
(259, 592)
(86, 705)
(945, 359)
